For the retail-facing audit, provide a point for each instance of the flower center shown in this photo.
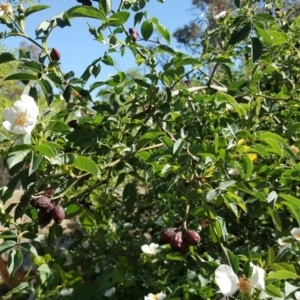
(5, 7)
(245, 286)
(20, 119)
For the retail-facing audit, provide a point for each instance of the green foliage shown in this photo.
(217, 153)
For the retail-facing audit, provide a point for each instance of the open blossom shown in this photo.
(110, 292)
(297, 295)
(22, 117)
(229, 283)
(5, 8)
(150, 249)
(159, 296)
(220, 15)
(66, 292)
(296, 233)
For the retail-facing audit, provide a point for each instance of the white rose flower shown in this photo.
(66, 292)
(229, 283)
(110, 292)
(297, 295)
(151, 249)
(21, 118)
(220, 15)
(5, 8)
(159, 296)
(296, 233)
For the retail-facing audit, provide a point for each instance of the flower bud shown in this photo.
(191, 237)
(166, 235)
(55, 55)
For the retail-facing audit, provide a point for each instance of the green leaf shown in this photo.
(273, 291)
(147, 137)
(86, 12)
(86, 164)
(281, 275)
(294, 127)
(129, 197)
(45, 150)
(276, 218)
(15, 260)
(30, 248)
(59, 126)
(239, 34)
(163, 31)
(45, 273)
(177, 147)
(7, 245)
(21, 76)
(146, 30)
(175, 257)
(271, 257)
(234, 261)
(262, 135)
(237, 107)
(118, 18)
(47, 90)
(35, 162)
(105, 5)
(6, 57)
(256, 49)
(34, 9)
(15, 157)
(264, 34)
(249, 165)
(138, 17)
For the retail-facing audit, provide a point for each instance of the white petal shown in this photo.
(149, 297)
(9, 115)
(22, 129)
(297, 295)
(296, 233)
(161, 296)
(145, 249)
(226, 280)
(7, 125)
(258, 277)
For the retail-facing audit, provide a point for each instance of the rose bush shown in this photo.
(204, 145)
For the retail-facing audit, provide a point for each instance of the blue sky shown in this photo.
(78, 47)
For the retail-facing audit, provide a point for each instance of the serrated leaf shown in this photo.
(30, 248)
(86, 12)
(147, 30)
(129, 197)
(118, 18)
(86, 164)
(236, 106)
(15, 259)
(273, 291)
(7, 245)
(36, 159)
(239, 34)
(45, 150)
(105, 5)
(163, 31)
(281, 275)
(264, 34)
(34, 9)
(138, 17)
(271, 257)
(21, 76)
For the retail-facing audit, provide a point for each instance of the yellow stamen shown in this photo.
(245, 286)
(20, 119)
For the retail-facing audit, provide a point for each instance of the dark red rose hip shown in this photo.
(58, 214)
(44, 216)
(191, 237)
(166, 235)
(178, 244)
(42, 202)
(55, 55)
(134, 34)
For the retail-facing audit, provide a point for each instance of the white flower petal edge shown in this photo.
(226, 280)
(22, 117)
(150, 249)
(296, 233)
(258, 277)
(110, 292)
(297, 295)
(159, 296)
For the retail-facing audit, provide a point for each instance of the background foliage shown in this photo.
(206, 141)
